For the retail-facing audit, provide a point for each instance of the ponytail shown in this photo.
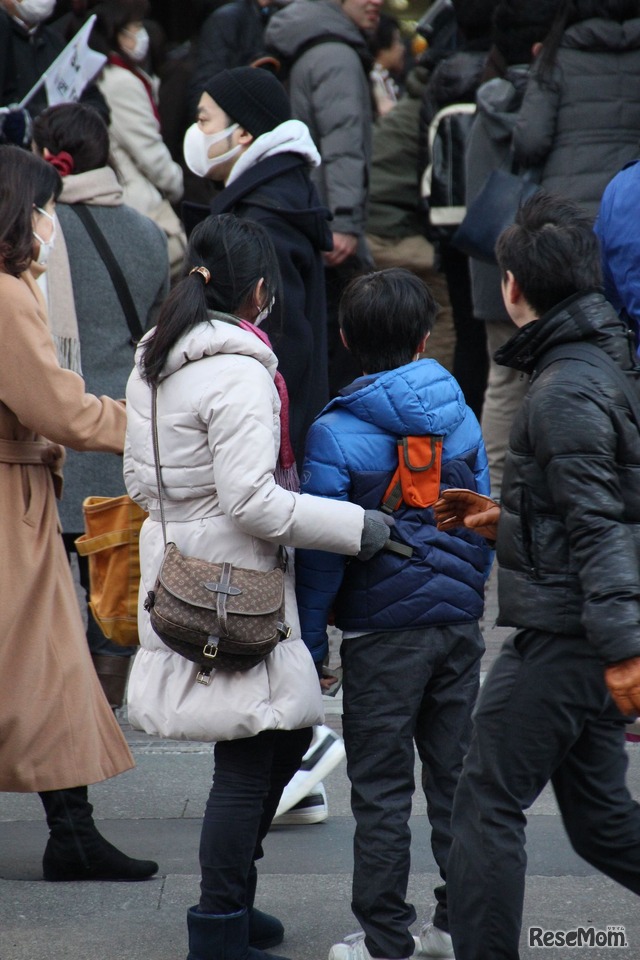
(185, 307)
(226, 258)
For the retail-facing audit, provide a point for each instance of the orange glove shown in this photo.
(623, 681)
(464, 508)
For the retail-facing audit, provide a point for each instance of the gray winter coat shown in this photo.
(107, 353)
(583, 125)
(489, 149)
(329, 89)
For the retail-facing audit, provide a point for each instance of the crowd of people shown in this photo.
(238, 228)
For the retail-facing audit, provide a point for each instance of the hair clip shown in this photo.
(204, 273)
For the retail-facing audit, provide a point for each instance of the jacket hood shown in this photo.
(97, 187)
(304, 22)
(456, 79)
(419, 398)
(292, 136)
(604, 35)
(218, 335)
(584, 316)
(499, 100)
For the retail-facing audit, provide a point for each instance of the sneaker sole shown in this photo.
(302, 816)
(328, 759)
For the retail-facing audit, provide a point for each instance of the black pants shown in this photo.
(543, 714)
(470, 360)
(248, 780)
(400, 688)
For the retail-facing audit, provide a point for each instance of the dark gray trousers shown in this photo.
(400, 688)
(544, 714)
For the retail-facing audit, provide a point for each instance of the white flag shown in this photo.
(74, 68)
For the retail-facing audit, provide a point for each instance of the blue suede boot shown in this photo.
(265, 931)
(222, 937)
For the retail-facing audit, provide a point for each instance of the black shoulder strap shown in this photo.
(117, 277)
(597, 357)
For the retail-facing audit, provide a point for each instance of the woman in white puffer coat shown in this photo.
(219, 436)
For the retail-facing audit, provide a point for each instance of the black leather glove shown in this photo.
(374, 534)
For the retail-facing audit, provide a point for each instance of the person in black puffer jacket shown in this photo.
(568, 542)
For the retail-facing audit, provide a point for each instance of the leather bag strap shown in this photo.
(156, 457)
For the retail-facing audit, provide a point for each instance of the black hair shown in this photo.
(77, 129)
(237, 253)
(385, 315)
(26, 181)
(575, 11)
(384, 35)
(474, 17)
(112, 17)
(519, 24)
(551, 250)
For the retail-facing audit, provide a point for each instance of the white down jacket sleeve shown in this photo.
(239, 414)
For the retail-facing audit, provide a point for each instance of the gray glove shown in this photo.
(374, 534)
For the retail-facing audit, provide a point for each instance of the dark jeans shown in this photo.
(543, 714)
(400, 688)
(248, 780)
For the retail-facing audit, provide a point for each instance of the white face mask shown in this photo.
(46, 246)
(196, 148)
(141, 48)
(264, 313)
(34, 11)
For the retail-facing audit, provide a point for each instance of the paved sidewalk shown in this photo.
(155, 811)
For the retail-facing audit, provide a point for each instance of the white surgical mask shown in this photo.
(264, 313)
(34, 11)
(196, 148)
(141, 48)
(46, 246)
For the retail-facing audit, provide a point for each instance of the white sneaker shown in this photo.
(353, 948)
(311, 809)
(325, 753)
(434, 942)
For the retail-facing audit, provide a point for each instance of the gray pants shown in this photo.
(400, 688)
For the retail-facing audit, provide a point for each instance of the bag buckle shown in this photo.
(204, 677)
(210, 648)
(284, 630)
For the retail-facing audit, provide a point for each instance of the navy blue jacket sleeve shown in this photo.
(318, 574)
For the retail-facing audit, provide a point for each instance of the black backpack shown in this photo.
(442, 185)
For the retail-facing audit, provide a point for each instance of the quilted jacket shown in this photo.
(351, 454)
(569, 534)
(219, 432)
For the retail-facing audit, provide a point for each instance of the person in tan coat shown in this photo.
(57, 731)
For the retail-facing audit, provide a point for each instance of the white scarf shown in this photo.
(292, 136)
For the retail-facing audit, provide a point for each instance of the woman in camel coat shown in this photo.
(57, 731)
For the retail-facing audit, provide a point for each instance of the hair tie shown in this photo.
(63, 162)
(204, 273)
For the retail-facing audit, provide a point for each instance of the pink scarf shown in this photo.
(286, 473)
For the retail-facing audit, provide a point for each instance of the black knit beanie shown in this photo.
(252, 97)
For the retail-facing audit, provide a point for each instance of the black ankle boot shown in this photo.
(265, 931)
(76, 850)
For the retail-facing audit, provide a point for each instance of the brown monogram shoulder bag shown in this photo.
(217, 615)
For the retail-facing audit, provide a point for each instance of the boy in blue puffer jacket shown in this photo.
(411, 641)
